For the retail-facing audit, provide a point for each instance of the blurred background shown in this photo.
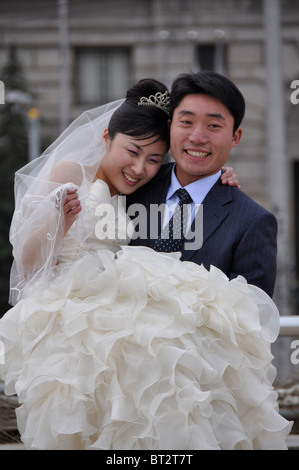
(61, 57)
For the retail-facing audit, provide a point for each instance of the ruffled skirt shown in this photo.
(143, 351)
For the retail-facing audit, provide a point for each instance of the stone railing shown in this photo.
(289, 325)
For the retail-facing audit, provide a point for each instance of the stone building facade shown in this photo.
(78, 54)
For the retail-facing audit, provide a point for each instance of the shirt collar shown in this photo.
(197, 190)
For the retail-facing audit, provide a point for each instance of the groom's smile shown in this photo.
(201, 137)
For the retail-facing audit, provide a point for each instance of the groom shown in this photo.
(238, 236)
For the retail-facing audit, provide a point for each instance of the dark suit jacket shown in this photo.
(239, 236)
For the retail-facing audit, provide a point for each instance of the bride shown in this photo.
(110, 346)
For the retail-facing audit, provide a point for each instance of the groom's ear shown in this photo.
(237, 137)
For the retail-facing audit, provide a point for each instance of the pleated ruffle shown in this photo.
(144, 352)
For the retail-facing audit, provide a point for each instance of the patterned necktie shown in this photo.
(172, 236)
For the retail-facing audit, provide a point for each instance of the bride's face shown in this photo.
(130, 163)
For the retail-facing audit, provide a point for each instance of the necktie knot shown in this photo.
(183, 196)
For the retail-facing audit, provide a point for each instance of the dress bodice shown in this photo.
(102, 224)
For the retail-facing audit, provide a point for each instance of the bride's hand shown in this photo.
(229, 177)
(71, 208)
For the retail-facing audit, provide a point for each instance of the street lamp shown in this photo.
(34, 133)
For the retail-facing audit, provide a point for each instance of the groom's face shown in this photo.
(201, 137)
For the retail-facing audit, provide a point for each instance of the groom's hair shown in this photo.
(209, 83)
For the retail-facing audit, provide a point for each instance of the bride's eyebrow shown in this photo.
(157, 155)
(141, 148)
(135, 145)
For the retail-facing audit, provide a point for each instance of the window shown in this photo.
(211, 57)
(103, 74)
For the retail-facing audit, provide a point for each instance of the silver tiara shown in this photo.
(159, 100)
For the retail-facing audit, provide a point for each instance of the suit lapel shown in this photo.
(216, 207)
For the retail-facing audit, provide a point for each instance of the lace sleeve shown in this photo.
(36, 235)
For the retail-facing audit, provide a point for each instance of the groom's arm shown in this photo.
(255, 256)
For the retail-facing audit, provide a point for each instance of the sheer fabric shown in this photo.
(39, 198)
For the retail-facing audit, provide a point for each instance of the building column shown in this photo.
(278, 174)
(64, 92)
(279, 182)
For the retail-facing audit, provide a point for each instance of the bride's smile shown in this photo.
(130, 162)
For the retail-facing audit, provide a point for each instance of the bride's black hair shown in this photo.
(141, 122)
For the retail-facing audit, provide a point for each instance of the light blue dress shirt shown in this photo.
(197, 190)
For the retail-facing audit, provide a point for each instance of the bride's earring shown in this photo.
(106, 135)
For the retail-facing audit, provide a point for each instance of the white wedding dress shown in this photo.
(131, 349)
